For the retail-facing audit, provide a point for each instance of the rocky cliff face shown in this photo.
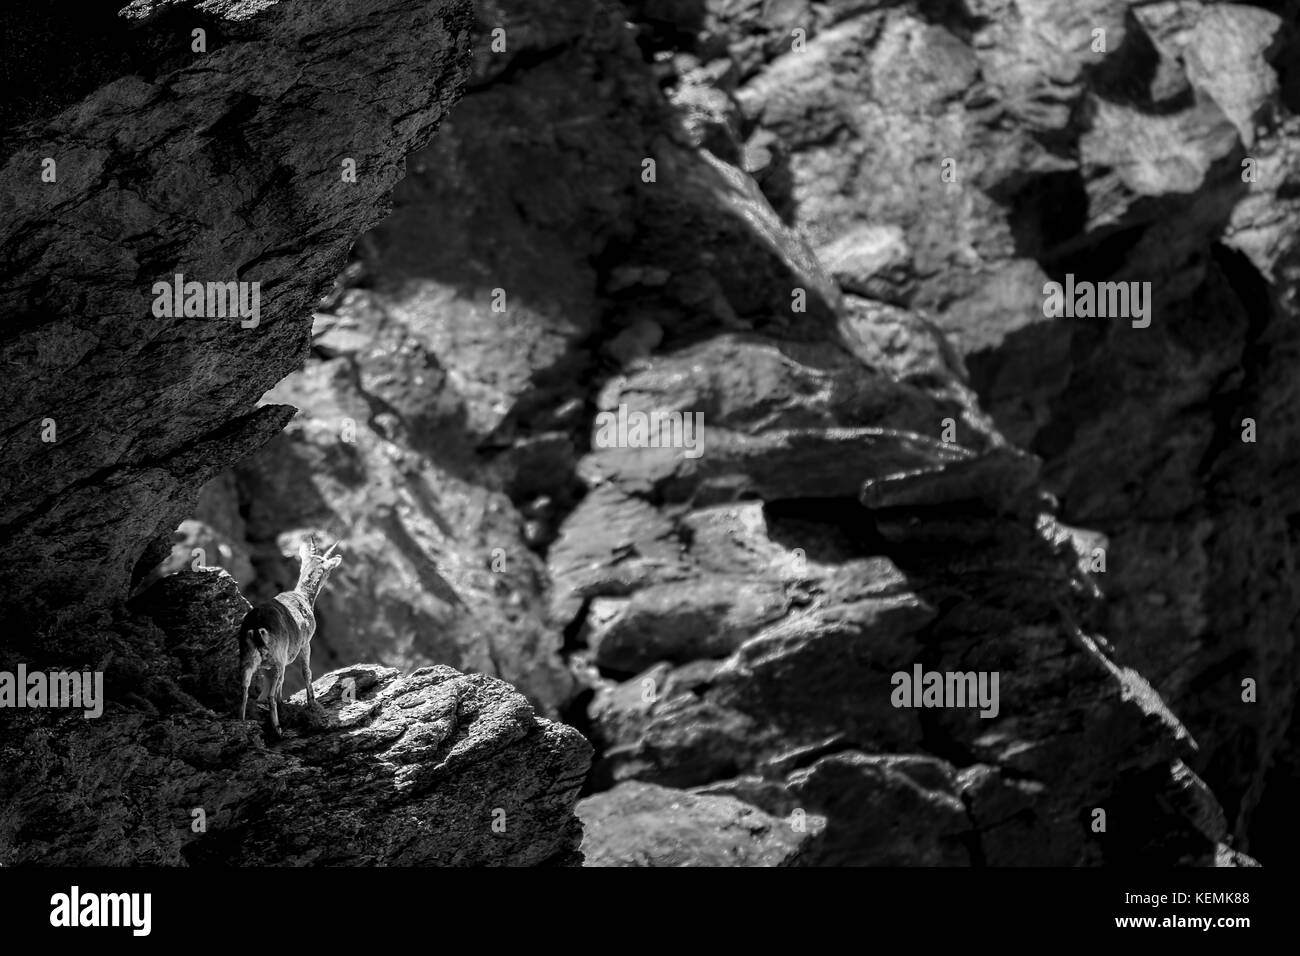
(213, 140)
(149, 159)
(826, 229)
(1160, 150)
(838, 259)
(431, 768)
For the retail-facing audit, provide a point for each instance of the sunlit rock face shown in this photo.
(219, 156)
(827, 230)
(733, 379)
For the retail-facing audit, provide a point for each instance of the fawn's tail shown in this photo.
(250, 638)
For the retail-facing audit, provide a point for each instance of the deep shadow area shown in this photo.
(54, 52)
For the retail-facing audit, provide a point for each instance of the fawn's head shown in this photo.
(316, 566)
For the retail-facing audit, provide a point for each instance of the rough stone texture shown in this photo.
(223, 165)
(431, 768)
(214, 537)
(435, 568)
(735, 618)
(1117, 164)
(888, 810)
(640, 824)
(200, 611)
(682, 621)
(914, 468)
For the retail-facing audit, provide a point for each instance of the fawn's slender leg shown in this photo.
(305, 660)
(277, 684)
(250, 668)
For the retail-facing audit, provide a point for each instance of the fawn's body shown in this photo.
(277, 632)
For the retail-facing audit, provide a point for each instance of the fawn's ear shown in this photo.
(333, 562)
(304, 551)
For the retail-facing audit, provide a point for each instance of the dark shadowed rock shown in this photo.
(434, 768)
(200, 612)
(839, 263)
(897, 809)
(1164, 155)
(682, 622)
(222, 165)
(228, 168)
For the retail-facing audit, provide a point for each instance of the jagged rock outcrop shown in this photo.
(871, 494)
(436, 568)
(433, 767)
(826, 228)
(219, 157)
(223, 156)
(1153, 143)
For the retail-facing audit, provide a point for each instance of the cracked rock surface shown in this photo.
(895, 471)
(905, 463)
(221, 165)
(433, 767)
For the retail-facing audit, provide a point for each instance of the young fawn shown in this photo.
(273, 634)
